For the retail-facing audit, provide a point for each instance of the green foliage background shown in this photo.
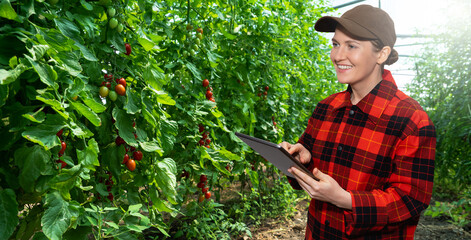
(443, 88)
(52, 63)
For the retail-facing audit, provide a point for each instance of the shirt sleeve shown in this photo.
(409, 189)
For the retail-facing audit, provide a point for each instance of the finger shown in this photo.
(304, 177)
(285, 145)
(317, 173)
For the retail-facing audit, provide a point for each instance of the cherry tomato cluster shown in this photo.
(204, 190)
(265, 93)
(136, 154)
(105, 88)
(193, 44)
(209, 93)
(205, 140)
(63, 147)
(113, 22)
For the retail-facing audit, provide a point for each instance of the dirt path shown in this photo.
(293, 228)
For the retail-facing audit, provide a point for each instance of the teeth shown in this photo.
(344, 67)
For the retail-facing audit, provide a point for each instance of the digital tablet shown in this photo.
(275, 154)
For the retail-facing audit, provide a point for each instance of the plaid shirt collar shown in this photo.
(375, 102)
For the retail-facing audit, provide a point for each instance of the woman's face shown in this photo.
(355, 61)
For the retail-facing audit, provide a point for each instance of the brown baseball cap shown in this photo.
(363, 21)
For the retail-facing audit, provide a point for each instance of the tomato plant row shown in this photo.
(114, 108)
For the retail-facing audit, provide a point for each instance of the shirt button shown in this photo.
(327, 222)
(351, 112)
(340, 148)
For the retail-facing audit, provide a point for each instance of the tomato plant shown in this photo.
(50, 76)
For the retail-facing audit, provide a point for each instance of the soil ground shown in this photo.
(293, 228)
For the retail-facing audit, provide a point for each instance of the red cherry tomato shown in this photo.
(137, 155)
(201, 142)
(120, 90)
(122, 81)
(209, 94)
(125, 159)
(131, 165)
(200, 185)
(207, 195)
(128, 48)
(205, 83)
(201, 128)
(63, 146)
(203, 178)
(59, 134)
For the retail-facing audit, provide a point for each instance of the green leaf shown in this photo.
(132, 102)
(51, 102)
(46, 73)
(154, 76)
(145, 42)
(117, 40)
(86, 5)
(38, 51)
(43, 134)
(87, 53)
(7, 11)
(69, 29)
(87, 112)
(193, 70)
(94, 105)
(213, 58)
(7, 77)
(89, 156)
(33, 162)
(37, 117)
(58, 215)
(124, 126)
(65, 181)
(151, 147)
(9, 210)
(163, 97)
(69, 61)
(166, 178)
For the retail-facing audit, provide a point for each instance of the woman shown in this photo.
(371, 146)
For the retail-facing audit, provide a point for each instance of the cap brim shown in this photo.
(329, 24)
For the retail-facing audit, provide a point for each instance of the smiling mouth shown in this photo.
(344, 67)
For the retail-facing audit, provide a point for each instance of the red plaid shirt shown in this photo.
(382, 152)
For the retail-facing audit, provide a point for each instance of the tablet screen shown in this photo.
(275, 154)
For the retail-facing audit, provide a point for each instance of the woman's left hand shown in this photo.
(326, 189)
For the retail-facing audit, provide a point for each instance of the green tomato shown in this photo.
(197, 41)
(113, 23)
(111, 12)
(199, 36)
(119, 28)
(113, 95)
(104, 91)
(195, 47)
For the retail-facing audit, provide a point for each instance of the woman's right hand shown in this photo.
(298, 151)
